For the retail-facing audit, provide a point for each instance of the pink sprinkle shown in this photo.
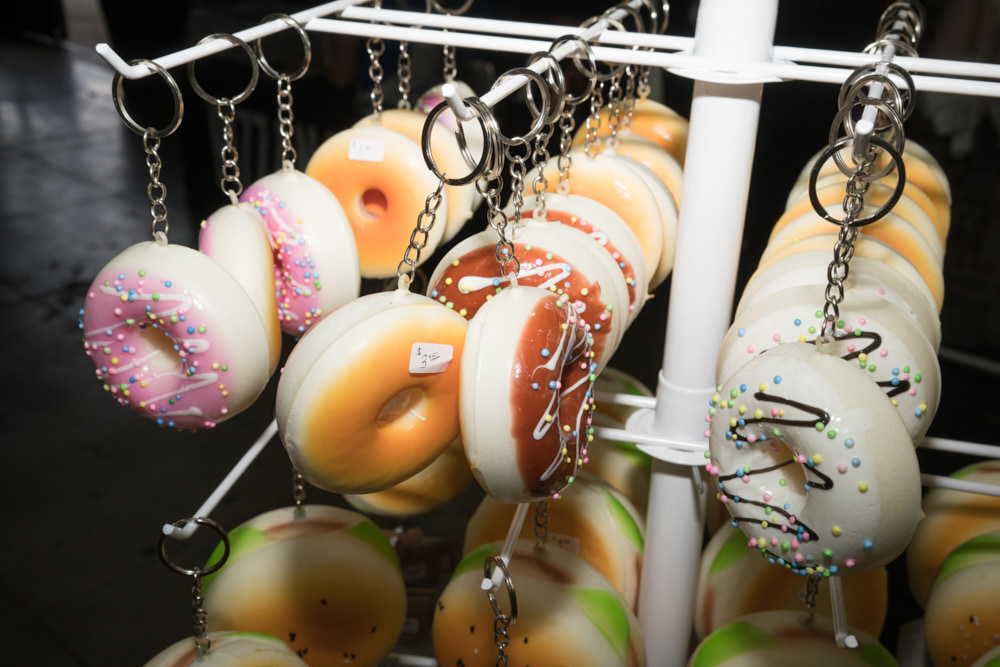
(881, 292)
(776, 337)
(799, 558)
(849, 562)
(538, 262)
(841, 468)
(906, 376)
(913, 392)
(616, 255)
(850, 348)
(767, 497)
(848, 328)
(558, 385)
(774, 541)
(791, 519)
(751, 438)
(120, 337)
(118, 311)
(708, 418)
(794, 544)
(800, 459)
(631, 306)
(746, 479)
(708, 434)
(784, 528)
(774, 412)
(750, 349)
(752, 543)
(586, 459)
(861, 321)
(724, 498)
(883, 352)
(603, 317)
(805, 537)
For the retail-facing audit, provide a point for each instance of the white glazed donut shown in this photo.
(866, 274)
(174, 337)
(369, 397)
(879, 340)
(650, 120)
(324, 579)
(461, 199)
(230, 649)
(963, 613)
(555, 257)
(592, 520)
(929, 279)
(315, 259)
(567, 614)
(733, 581)
(526, 400)
(235, 238)
(608, 229)
(603, 179)
(781, 638)
(813, 462)
(380, 179)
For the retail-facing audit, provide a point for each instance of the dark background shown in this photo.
(88, 484)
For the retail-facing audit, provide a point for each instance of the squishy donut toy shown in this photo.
(878, 338)
(461, 199)
(315, 259)
(989, 659)
(554, 257)
(813, 463)
(661, 162)
(235, 239)
(905, 211)
(591, 520)
(473, 131)
(963, 611)
(930, 281)
(781, 638)
(650, 120)
(604, 179)
(604, 226)
(363, 168)
(733, 581)
(866, 275)
(350, 429)
(174, 337)
(952, 517)
(526, 345)
(324, 579)
(427, 490)
(922, 170)
(567, 614)
(621, 464)
(230, 649)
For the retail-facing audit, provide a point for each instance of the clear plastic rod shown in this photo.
(955, 484)
(220, 492)
(508, 546)
(839, 612)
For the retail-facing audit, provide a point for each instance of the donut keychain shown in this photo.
(312, 260)
(224, 647)
(173, 334)
(361, 167)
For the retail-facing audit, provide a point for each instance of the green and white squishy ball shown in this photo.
(329, 584)
(230, 649)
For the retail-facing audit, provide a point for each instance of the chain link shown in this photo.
(812, 590)
(375, 48)
(615, 106)
(407, 268)
(403, 69)
(298, 492)
(156, 191)
(631, 84)
(567, 124)
(285, 118)
(504, 251)
(541, 525)
(201, 639)
(539, 161)
(500, 624)
(594, 120)
(230, 182)
(450, 64)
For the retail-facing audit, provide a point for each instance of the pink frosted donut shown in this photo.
(878, 277)
(315, 259)
(235, 238)
(879, 340)
(553, 256)
(174, 336)
(526, 394)
(230, 649)
(606, 180)
(813, 463)
(604, 226)
(380, 179)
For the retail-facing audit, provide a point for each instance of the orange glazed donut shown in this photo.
(461, 199)
(380, 179)
(664, 165)
(369, 396)
(650, 120)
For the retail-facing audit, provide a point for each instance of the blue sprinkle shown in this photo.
(741, 332)
(739, 444)
(597, 327)
(777, 379)
(121, 276)
(734, 524)
(855, 462)
(534, 385)
(739, 472)
(167, 283)
(797, 321)
(895, 371)
(869, 545)
(118, 288)
(788, 506)
(743, 387)
(131, 379)
(736, 499)
(918, 412)
(833, 569)
(849, 443)
(545, 352)
(552, 384)
(621, 264)
(741, 422)
(281, 204)
(496, 282)
(894, 382)
(729, 435)
(806, 487)
(190, 330)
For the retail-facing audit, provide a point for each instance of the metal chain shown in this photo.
(615, 104)
(406, 270)
(500, 624)
(375, 48)
(518, 169)
(285, 117)
(812, 590)
(541, 525)
(631, 84)
(450, 64)
(156, 191)
(594, 120)
(504, 251)
(201, 638)
(298, 493)
(567, 124)
(230, 182)
(539, 160)
(403, 68)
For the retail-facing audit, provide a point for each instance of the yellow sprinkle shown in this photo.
(564, 326)
(215, 365)
(809, 570)
(454, 262)
(447, 281)
(463, 312)
(584, 291)
(564, 451)
(743, 409)
(763, 386)
(548, 418)
(142, 404)
(802, 339)
(817, 459)
(715, 398)
(225, 393)
(758, 414)
(222, 386)
(590, 438)
(862, 487)
(114, 361)
(862, 357)
(732, 422)
(923, 406)
(836, 531)
(764, 524)
(781, 412)
(895, 403)
(124, 297)
(566, 428)
(143, 383)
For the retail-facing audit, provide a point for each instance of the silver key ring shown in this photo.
(590, 76)
(618, 69)
(844, 117)
(458, 11)
(175, 92)
(869, 73)
(201, 521)
(306, 47)
(543, 87)
(255, 71)
(896, 160)
(490, 129)
(496, 561)
(557, 87)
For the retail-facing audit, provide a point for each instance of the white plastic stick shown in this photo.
(844, 638)
(508, 546)
(961, 447)
(206, 509)
(630, 400)
(955, 484)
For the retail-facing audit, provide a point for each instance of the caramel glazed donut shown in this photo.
(813, 462)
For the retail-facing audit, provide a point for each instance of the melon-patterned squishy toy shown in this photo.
(230, 649)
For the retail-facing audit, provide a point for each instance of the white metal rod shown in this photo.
(955, 484)
(853, 59)
(218, 45)
(206, 509)
(961, 447)
(631, 400)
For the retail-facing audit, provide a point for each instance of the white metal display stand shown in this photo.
(730, 57)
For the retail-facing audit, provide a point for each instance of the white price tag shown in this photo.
(430, 357)
(366, 150)
(567, 542)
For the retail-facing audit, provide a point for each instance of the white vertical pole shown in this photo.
(722, 133)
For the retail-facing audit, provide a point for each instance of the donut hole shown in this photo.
(404, 406)
(373, 203)
(783, 485)
(160, 355)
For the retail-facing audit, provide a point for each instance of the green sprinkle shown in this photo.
(548, 255)
(734, 392)
(776, 433)
(142, 272)
(840, 324)
(906, 369)
(129, 322)
(857, 333)
(871, 368)
(174, 319)
(201, 329)
(812, 330)
(782, 482)
(831, 434)
(156, 296)
(819, 426)
(917, 377)
(827, 553)
(785, 546)
(819, 314)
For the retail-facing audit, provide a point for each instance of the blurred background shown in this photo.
(88, 484)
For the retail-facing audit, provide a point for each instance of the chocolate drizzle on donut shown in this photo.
(821, 416)
(891, 387)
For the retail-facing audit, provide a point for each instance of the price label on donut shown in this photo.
(430, 357)
(567, 542)
(366, 150)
